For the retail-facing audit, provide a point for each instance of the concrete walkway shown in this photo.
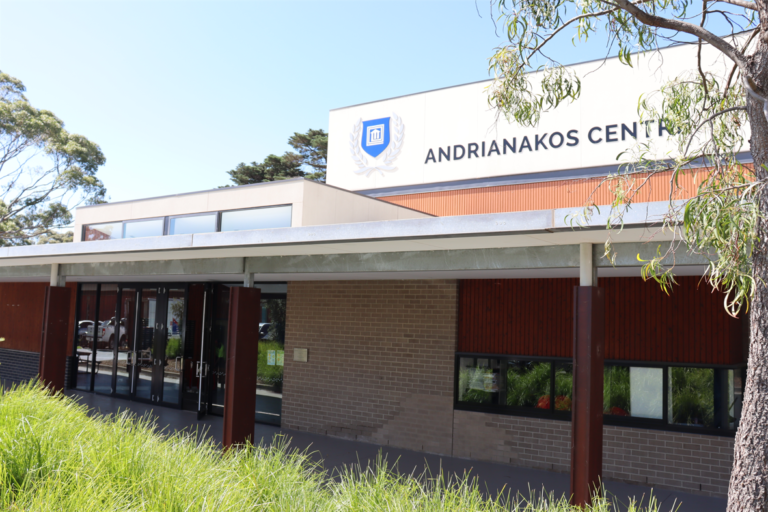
(336, 453)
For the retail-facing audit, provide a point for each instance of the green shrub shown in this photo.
(53, 456)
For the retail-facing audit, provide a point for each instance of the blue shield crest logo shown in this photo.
(375, 136)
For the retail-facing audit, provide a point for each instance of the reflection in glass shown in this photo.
(107, 335)
(735, 396)
(633, 391)
(691, 396)
(192, 224)
(269, 390)
(124, 368)
(106, 231)
(145, 347)
(139, 229)
(173, 362)
(616, 391)
(563, 386)
(219, 347)
(528, 384)
(84, 346)
(257, 218)
(479, 380)
(193, 344)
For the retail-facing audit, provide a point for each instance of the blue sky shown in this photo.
(177, 93)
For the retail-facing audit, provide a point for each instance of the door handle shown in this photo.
(201, 369)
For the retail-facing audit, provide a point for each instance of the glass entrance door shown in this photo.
(197, 340)
(144, 354)
(171, 350)
(150, 362)
(216, 350)
(126, 355)
(269, 389)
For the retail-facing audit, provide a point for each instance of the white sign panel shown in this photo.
(452, 134)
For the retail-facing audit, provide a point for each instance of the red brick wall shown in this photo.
(381, 361)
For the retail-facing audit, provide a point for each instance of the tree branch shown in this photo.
(741, 3)
(687, 147)
(683, 26)
(538, 47)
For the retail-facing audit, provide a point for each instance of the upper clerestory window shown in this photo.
(264, 217)
(256, 218)
(191, 224)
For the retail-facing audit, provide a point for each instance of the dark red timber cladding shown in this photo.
(534, 317)
(21, 315)
(517, 316)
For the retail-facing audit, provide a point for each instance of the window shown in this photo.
(191, 224)
(528, 384)
(633, 392)
(234, 220)
(691, 396)
(256, 218)
(563, 386)
(479, 380)
(696, 398)
(142, 228)
(734, 394)
(106, 231)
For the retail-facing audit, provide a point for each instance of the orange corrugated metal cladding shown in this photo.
(534, 317)
(21, 315)
(544, 195)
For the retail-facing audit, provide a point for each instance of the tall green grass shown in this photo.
(53, 456)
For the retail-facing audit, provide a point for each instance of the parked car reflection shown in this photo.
(106, 334)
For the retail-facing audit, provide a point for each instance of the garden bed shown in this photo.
(53, 456)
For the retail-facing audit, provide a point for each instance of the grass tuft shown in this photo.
(54, 457)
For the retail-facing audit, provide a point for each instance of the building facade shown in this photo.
(427, 297)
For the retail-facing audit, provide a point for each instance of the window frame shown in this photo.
(132, 221)
(86, 226)
(608, 419)
(222, 212)
(167, 221)
(217, 222)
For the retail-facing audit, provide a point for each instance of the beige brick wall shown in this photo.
(381, 368)
(516, 440)
(674, 460)
(381, 361)
(691, 462)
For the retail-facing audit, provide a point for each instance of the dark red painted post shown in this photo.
(53, 342)
(242, 358)
(587, 409)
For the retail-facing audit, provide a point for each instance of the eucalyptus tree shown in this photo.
(45, 171)
(708, 115)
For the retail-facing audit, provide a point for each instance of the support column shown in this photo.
(587, 408)
(242, 354)
(56, 278)
(248, 280)
(53, 343)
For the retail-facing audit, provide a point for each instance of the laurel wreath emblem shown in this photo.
(390, 154)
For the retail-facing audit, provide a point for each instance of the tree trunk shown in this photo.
(748, 490)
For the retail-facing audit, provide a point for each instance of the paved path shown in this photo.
(335, 453)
